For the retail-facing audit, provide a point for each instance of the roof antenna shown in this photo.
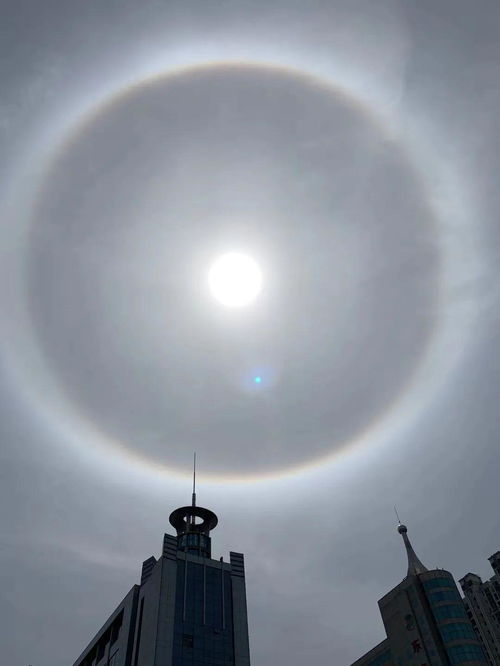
(397, 515)
(193, 497)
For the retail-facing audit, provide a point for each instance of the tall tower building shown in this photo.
(425, 621)
(482, 602)
(188, 610)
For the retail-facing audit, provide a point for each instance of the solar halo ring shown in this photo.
(68, 419)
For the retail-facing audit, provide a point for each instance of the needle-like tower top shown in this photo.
(415, 566)
(193, 497)
(193, 537)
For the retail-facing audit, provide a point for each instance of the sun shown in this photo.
(235, 279)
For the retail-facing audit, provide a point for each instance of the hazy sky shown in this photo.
(352, 148)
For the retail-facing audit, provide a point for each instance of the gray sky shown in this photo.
(352, 149)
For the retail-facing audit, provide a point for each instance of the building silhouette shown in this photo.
(425, 620)
(482, 602)
(189, 609)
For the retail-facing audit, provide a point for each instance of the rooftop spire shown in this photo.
(415, 566)
(193, 536)
(193, 496)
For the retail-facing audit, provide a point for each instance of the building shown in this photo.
(188, 610)
(425, 621)
(482, 602)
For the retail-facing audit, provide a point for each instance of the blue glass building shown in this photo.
(425, 621)
(189, 609)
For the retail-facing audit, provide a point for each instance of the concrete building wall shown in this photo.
(112, 644)
(153, 634)
(409, 637)
(380, 655)
(240, 619)
(482, 601)
(146, 629)
(166, 615)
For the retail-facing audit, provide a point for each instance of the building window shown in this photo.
(444, 595)
(462, 653)
(452, 632)
(115, 628)
(187, 640)
(101, 650)
(139, 632)
(449, 611)
(438, 582)
(113, 660)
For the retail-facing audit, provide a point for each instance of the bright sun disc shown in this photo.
(234, 279)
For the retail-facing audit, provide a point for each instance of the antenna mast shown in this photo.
(193, 497)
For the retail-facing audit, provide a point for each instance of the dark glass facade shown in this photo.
(203, 628)
(462, 654)
(456, 632)
(196, 544)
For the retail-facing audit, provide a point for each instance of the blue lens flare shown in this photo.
(257, 379)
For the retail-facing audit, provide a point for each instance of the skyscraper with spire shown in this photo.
(188, 610)
(425, 621)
